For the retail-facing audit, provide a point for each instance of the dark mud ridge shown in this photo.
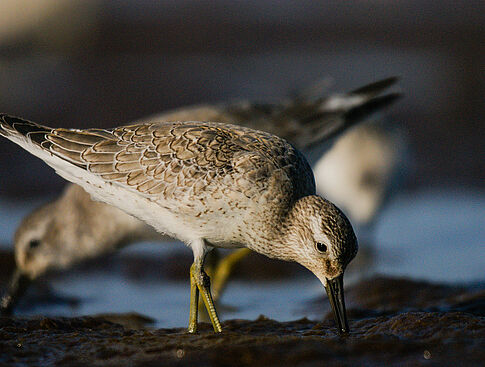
(394, 322)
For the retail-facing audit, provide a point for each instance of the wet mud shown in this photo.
(394, 322)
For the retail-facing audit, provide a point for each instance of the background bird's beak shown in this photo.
(17, 287)
(335, 292)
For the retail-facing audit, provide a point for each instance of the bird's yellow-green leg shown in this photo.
(194, 304)
(210, 262)
(224, 269)
(219, 271)
(200, 283)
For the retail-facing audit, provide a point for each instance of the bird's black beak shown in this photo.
(17, 287)
(335, 292)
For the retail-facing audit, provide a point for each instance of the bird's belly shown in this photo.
(215, 222)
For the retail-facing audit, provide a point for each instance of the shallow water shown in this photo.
(435, 235)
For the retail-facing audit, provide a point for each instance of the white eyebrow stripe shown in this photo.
(318, 235)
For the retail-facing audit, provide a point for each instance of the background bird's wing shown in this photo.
(306, 121)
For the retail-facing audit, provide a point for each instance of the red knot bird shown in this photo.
(64, 246)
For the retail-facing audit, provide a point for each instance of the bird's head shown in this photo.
(38, 249)
(320, 237)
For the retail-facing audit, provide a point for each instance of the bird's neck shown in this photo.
(275, 238)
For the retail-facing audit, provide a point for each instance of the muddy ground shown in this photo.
(394, 322)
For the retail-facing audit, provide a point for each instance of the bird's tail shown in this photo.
(19, 130)
(49, 144)
(327, 117)
(372, 101)
(59, 148)
(29, 135)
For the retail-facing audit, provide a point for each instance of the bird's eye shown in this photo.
(34, 243)
(321, 247)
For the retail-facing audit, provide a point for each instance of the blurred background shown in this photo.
(100, 63)
(103, 63)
